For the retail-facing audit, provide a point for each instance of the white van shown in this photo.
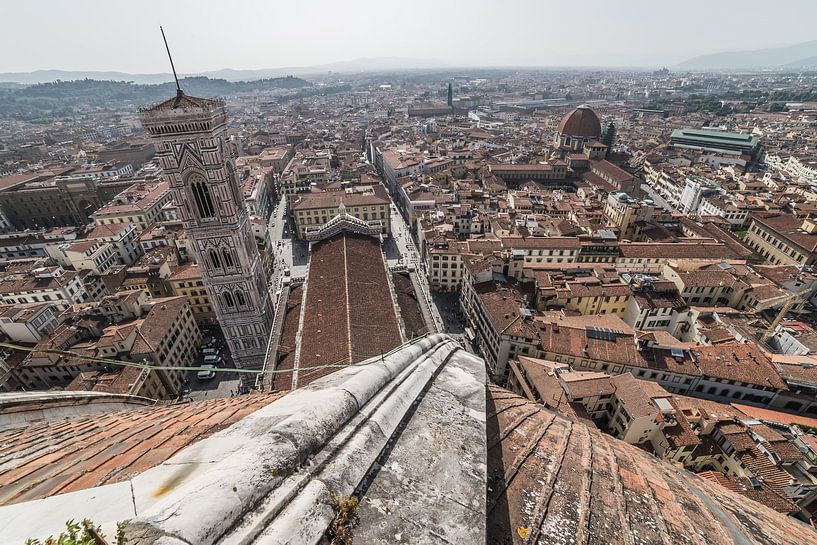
(206, 373)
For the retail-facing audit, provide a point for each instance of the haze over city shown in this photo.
(424, 273)
(102, 35)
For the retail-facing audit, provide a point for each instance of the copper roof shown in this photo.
(47, 458)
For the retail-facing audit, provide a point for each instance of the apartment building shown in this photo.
(650, 257)
(783, 238)
(276, 157)
(367, 203)
(496, 311)
(306, 169)
(765, 458)
(623, 211)
(735, 214)
(140, 205)
(529, 250)
(655, 305)
(256, 183)
(726, 372)
(91, 255)
(38, 284)
(398, 164)
(31, 244)
(186, 281)
(595, 298)
(162, 333)
(696, 189)
(28, 323)
(444, 263)
(123, 236)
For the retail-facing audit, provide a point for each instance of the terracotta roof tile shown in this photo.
(286, 343)
(43, 459)
(349, 315)
(557, 481)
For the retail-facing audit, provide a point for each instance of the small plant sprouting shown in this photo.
(347, 511)
(82, 533)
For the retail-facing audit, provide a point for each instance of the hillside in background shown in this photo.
(66, 98)
(367, 64)
(47, 76)
(803, 55)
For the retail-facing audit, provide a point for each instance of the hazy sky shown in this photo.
(212, 34)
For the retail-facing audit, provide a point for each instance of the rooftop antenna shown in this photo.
(179, 91)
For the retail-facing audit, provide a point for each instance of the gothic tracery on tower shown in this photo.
(190, 134)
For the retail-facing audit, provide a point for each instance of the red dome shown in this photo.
(581, 122)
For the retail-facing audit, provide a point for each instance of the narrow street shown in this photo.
(656, 198)
(288, 252)
(401, 250)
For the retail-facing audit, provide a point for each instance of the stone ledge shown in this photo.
(273, 473)
(322, 438)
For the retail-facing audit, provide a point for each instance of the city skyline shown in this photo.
(456, 272)
(269, 36)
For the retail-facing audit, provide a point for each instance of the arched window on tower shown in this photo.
(202, 197)
(239, 297)
(228, 258)
(214, 259)
(228, 300)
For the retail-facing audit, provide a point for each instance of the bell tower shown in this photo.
(197, 162)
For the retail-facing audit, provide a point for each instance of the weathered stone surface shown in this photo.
(435, 456)
(322, 441)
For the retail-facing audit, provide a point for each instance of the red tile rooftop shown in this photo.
(333, 199)
(47, 458)
(554, 480)
(775, 416)
(288, 339)
(349, 315)
(513, 167)
(744, 487)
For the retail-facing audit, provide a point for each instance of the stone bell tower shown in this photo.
(196, 159)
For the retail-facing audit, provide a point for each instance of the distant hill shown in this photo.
(807, 63)
(47, 76)
(63, 99)
(372, 64)
(793, 56)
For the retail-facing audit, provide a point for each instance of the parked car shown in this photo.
(207, 373)
(210, 351)
(212, 359)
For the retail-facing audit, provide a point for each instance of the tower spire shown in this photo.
(179, 91)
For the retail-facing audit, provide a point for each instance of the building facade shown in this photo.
(783, 239)
(198, 164)
(140, 205)
(312, 211)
